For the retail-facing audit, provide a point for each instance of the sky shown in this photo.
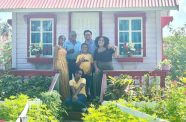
(178, 21)
(179, 18)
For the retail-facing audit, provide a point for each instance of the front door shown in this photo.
(85, 21)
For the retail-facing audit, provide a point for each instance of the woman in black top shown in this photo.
(102, 60)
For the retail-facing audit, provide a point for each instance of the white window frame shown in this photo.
(41, 33)
(130, 33)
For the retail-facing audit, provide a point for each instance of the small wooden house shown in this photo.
(123, 21)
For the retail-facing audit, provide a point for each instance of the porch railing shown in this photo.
(29, 73)
(55, 83)
(135, 75)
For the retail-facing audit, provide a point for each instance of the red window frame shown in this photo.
(131, 59)
(39, 15)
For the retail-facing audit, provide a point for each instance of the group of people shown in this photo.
(78, 63)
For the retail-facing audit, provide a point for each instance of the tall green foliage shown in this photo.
(53, 103)
(176, 51)
(109, 113)
(12, 85)
(12, 107)
(38, 112)
(172, 107)
(5, 46)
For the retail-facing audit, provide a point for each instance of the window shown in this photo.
(130, 31)
(130, 28)
(41, 30)
(41, 33)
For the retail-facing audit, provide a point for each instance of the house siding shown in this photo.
(153, 39)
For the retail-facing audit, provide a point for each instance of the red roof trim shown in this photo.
(166, 20)
(85, 4)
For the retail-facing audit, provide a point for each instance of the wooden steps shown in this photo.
(73, 117)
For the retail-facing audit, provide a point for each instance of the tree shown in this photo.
(5, 46)
(176, 51)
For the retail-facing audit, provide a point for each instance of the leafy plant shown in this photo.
(54, 103)
(108, 113)
(118, 87)
(38, 112)
(172, 107)
(6, 46)
(130, 49)
(9, 85)
(4, 27)
(166, 62)
(36, 49)
(11, 108)
(12, 85)
(35, 85)
(175, 51)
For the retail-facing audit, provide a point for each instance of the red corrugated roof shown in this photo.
(93, 4)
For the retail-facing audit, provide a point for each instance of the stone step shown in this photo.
(73, 116)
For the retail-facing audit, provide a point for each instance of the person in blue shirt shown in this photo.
(89, 41)
(73, 48)
(91, 48)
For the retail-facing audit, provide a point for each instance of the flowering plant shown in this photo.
(36, 49)
(130, 48)
(165, 64)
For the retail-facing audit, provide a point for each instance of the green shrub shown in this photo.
(9, 86)
(35, 85)
(109, 113)
(175, 51)
(6, 46)
(38, 112)
(123, 87)
(12, 85)
(11, 108)
(172, 107)
(54, 103)
(118, 87)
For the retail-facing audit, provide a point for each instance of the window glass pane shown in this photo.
(121, 49)
(47, 25)
(35, 37)
(124, 37)
(136, 24)
(138, 49)
(47, 49)
(47, 37)
(136, 36)
(35, 25)
(124, 25)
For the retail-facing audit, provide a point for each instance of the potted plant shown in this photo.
(166, 65)
(129, 47)
(36, 49)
